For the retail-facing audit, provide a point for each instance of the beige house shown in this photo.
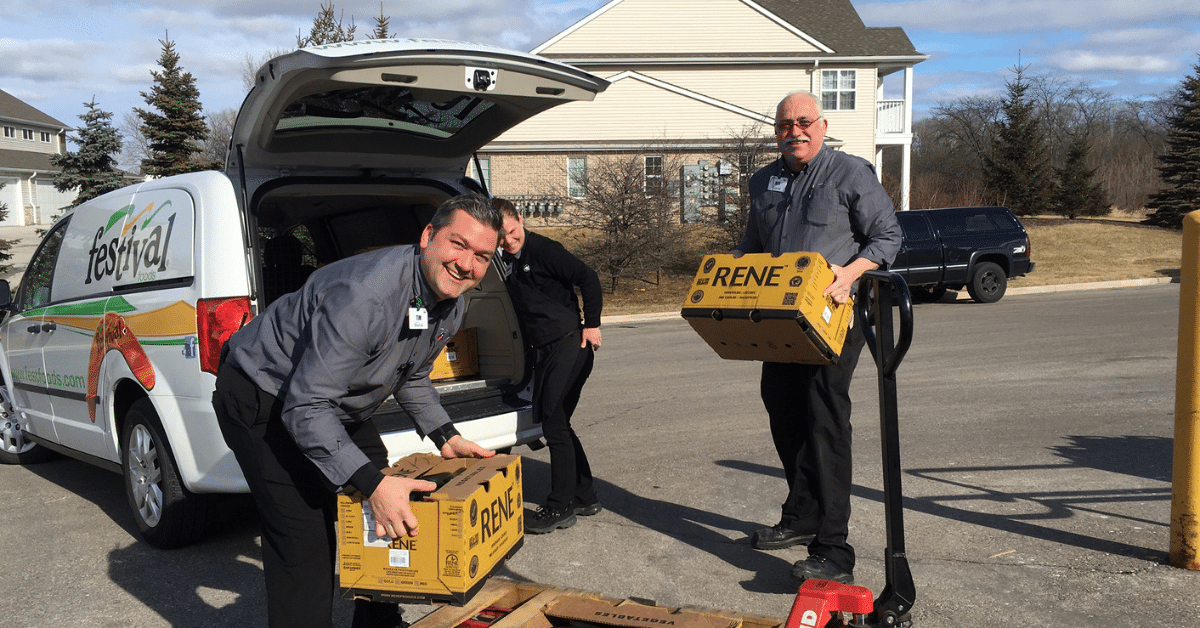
(693, 74)
(28, 138)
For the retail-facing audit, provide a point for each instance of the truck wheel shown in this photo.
(14, 447)
(988, 283)
(167, 514)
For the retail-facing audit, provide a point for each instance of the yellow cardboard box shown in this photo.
(460, 358)
(469, 526)
(762, 307)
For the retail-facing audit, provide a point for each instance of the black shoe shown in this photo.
(377, 615)
(778, 537)
(546, 519)
(587, 510)
(820, 568)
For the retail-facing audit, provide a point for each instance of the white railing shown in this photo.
(889, 116)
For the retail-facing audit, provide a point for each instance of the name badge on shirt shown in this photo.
(778, 184)
(418, 318)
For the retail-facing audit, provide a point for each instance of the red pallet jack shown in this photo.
(822, 603)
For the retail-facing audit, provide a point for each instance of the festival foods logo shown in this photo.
(139, 252)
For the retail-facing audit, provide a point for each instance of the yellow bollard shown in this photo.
(1185, 485)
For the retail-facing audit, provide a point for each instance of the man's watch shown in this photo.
(442, 435)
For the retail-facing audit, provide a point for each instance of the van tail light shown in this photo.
(1028, 248)
(216, 320)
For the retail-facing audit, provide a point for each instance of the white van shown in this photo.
(109, 349)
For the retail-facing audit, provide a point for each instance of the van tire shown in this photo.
(15, 448)
(988, 283)
(167, 514)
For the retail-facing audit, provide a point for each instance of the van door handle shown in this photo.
(50, 326)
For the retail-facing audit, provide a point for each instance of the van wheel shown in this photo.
(14, 447)
(167, 514)
(988, 283)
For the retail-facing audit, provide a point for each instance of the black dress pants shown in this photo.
(296, 504)
(809, 409)
(560, 371)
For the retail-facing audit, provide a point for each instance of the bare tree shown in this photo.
(135, 148)
(746, 150)
(250, 66)
(626, 222)
(220, 130)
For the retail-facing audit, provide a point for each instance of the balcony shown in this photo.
(889, 117)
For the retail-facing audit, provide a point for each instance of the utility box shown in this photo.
(470, 524)
(768, 308)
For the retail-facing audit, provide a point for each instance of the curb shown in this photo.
(962, 296)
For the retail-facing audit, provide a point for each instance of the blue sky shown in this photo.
(58, 55)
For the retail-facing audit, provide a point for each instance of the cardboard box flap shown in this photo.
(631, 615)
(456, 478)
(414, 465)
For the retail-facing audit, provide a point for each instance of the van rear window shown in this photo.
(128, 243)
(382, 107)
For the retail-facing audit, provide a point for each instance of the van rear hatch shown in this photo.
(399, 108)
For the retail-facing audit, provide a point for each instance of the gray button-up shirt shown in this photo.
(338, 347)
(835, 207)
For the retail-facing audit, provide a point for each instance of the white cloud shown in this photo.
(34, 59)
(1088, 61)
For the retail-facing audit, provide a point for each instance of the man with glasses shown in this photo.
(816, 199)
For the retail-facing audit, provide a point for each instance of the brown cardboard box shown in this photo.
(505, 603)
(631, 615)
(469, 526)
(762, 307)
(460, 358)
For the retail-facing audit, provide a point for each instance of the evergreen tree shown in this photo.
(92, 169)
(1179, 167)
(381, 25)
(174, 134)
(327, 28)
(1078, 194)
(5, 245)
(1018, 170)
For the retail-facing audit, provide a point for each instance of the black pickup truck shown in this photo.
(952, 247)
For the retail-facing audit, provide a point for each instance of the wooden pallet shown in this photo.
(530, 602)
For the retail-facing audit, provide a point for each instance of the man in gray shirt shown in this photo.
(298, 385)
(816, 199)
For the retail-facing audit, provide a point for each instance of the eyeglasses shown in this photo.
(783, 125)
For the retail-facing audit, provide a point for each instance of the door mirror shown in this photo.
(5, 294)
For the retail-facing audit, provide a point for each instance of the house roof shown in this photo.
(13, 108)
(835, 24)
(25, 160)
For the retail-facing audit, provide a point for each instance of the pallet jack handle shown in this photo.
(877, 292)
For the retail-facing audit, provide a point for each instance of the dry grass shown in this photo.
(1065, 251)
(1079, 251)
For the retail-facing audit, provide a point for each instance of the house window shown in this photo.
(838, 89)
(577, 177)
(27, 134)
(45, 136)
(654, 173)
(10, 131)
(483, 172)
